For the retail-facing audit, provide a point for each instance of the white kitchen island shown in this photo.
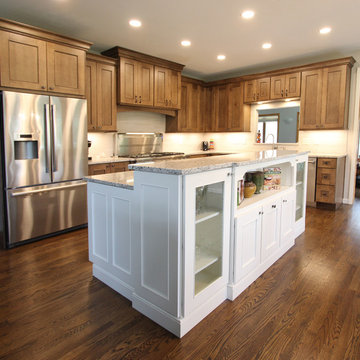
(171, 237)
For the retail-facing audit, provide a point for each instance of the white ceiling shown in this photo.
(213, 26)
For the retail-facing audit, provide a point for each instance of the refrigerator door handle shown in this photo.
(65, 187)
(53, 155)
(46, 136)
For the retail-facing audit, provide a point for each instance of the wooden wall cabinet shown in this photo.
(257, 90)
(101, 93)
(324, 99)
(136, 83)
(38, 60)
(285, 86)
(146, 80)
(167, 88)
(228, 111)
(192, 115)
(107, 168)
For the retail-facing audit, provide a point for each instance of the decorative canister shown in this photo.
(249, 189)
(258, 179)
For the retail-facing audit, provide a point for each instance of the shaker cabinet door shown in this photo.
(23, 62)
(65, 69)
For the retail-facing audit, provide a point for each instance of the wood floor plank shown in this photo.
(306, 306)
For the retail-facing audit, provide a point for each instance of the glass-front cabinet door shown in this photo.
(301, 179)
(207, 235)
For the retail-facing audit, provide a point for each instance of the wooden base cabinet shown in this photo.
(39, 60)
(330, 182)
(98, 169)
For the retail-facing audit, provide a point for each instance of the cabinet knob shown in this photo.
(135, 99)
(284, 200)
(282, 93)
(325, 176)
(286, 92)
(273, 206)
(260, 212)
(140, 99)
(43, 87)
(51, 88)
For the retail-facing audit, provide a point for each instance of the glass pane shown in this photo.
(208, 234)
(271, 130)
(300, 177)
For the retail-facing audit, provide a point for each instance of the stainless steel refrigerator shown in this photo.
(44, 158)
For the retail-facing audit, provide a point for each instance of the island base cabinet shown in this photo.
(110, 213)
(263, 233)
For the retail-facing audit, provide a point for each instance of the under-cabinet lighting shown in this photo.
(221, 57)
(135, 133)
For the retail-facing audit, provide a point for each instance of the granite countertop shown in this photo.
(120, 179)
(318, 155)
(109, 159)
(193, 166)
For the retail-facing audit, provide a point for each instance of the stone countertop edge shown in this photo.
(109, 160)
(123, 180)
(334, 156)
(193, 166)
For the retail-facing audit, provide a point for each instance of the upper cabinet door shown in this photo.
(127, 81)
(23, 62)
(250, 91)
(277, 87)
(144, 84)
(90, 93)
(65, 69)
(292, 85)
(106, 98)
(167, 88)
(263, 89)
(160, 99)
(239, 113)
(310, 101)
(221, 107)
(335, 97)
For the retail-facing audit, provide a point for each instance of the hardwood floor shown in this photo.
(306, 306)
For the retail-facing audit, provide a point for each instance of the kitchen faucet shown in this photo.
(273, 142)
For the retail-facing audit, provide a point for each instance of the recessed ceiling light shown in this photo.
(266, 46)
(325, 30)
(247, 14)
(186, 43)
(135, 23)
(221, 57)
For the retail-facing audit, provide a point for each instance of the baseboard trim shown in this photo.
(113, 282)
(234, 290)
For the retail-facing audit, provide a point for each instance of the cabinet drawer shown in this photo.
(326, 163)
(326, 176)
(325, 193)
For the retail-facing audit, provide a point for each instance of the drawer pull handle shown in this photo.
(326, 163)
(324, 193)
(325, 176)
(273, 206)
(284, 200)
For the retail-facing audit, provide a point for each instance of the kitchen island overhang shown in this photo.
(171, 237)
